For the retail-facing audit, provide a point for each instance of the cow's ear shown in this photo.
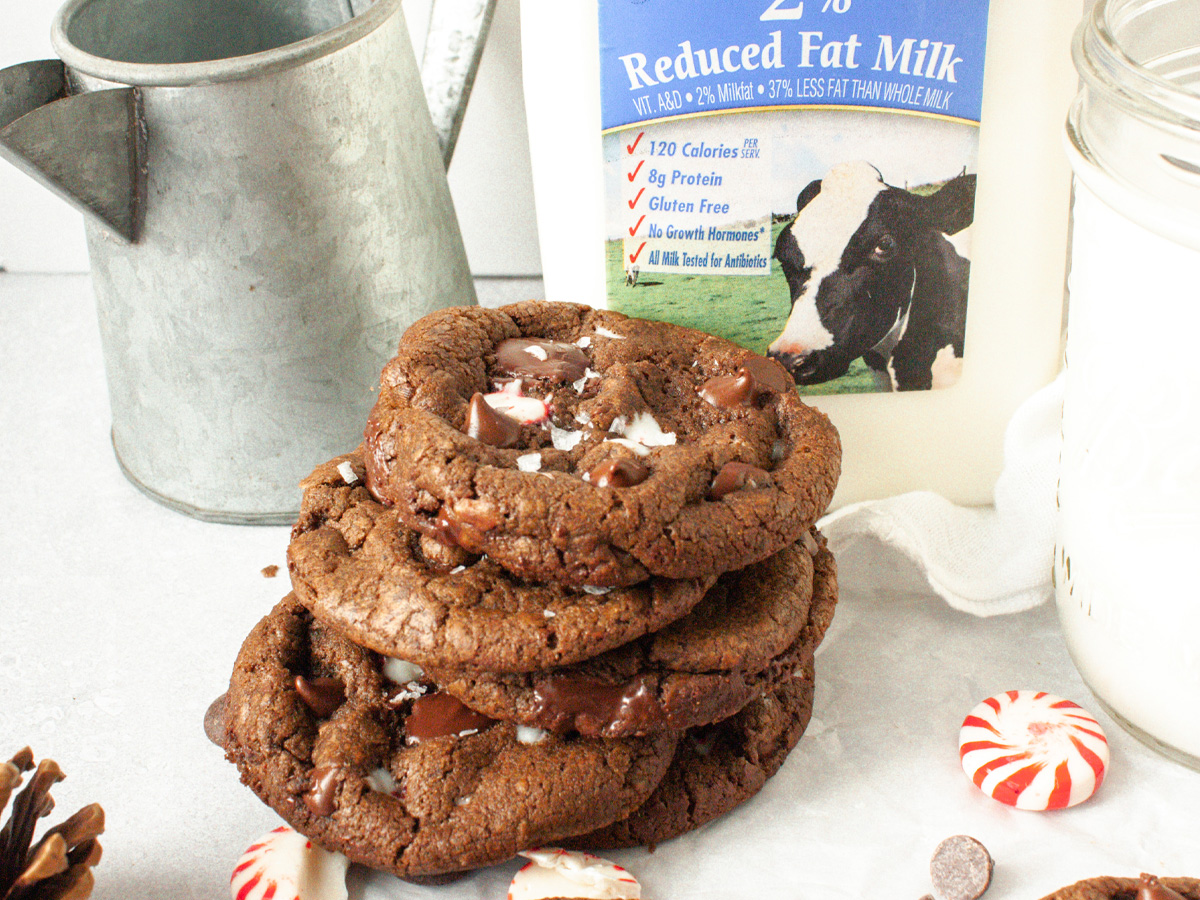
(952, 207)
(806, 195)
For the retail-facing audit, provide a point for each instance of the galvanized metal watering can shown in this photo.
(266, 209)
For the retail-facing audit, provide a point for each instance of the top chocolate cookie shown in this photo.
(584, 447)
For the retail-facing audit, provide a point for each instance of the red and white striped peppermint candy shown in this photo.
(285, 865)
(1033, 750)
(553, 872)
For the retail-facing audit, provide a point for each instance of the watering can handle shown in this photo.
(453, 47)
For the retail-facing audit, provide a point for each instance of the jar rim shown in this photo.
(1105, 64)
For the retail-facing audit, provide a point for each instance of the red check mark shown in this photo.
(634, 201)
(633, 256)
(636, 140)
(632, 175)
(633, 230)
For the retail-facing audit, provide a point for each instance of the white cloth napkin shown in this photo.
(981, 560)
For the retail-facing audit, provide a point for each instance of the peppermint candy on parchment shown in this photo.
(285, 865)
(1033, 750)
(552, 872)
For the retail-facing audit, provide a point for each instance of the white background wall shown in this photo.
(489, 178)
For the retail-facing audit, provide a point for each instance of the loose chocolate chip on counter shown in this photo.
(1150, 888)
(961, 868)
(489, 426)
(439, 715)
(214, 720)
(734, 476)
(617, 473)
(322, 695)
(534, 358)
(320, 797)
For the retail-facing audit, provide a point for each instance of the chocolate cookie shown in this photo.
(409, 783)
(716, 768)
(752, 629)
(580, 446)
(357, 567)
(1148, 887)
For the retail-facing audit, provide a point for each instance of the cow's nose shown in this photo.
(795, 363)
(803, 366)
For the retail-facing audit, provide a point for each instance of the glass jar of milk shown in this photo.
(1129, 490)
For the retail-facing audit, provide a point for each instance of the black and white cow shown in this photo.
(872, 273)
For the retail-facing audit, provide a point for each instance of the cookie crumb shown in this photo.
(961, 868)
(270, 571)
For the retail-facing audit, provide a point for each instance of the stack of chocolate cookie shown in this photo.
(568, 591)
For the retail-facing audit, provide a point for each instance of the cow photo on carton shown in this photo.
(876, 272)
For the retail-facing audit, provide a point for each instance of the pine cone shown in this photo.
(58, 867)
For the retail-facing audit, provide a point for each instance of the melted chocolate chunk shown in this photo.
(490, 426)
(321, 695)
(754, 379)
(320, 797)
(768, 373)
(734, 476)
(1150, 888)
(464, 528)
(439, 714)
(618, 473)
(567, 698)
(533, 358)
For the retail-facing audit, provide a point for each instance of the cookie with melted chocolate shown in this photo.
(356, 566)
(654, 450)
(403, 779)
(754, 628)
(716, 768)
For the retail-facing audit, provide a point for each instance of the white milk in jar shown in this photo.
(874, 193)
(1129, 489)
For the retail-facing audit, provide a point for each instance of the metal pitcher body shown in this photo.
(292, 217)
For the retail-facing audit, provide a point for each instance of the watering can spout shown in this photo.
(87, 148)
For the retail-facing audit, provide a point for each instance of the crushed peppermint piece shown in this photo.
(347, 472)
(549, 613)
(462, 801)
(458, 569)
(583, 343)
(563, 439)
(381, 781)
(529, 735)
(617, 425)
(593, 589)
(645, 430)
(529, 462)
(583, 418)
(401, 671)
(510, 401)
(604, 332)
(412, 691)
(637, 448)
(587, 373)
